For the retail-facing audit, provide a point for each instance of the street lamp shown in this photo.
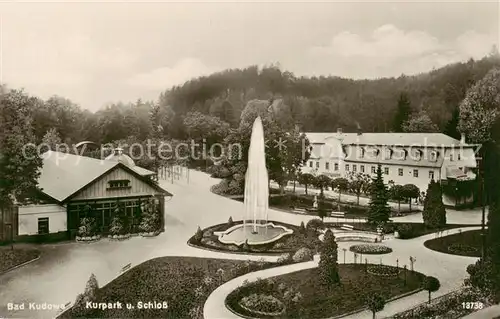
(480, 162)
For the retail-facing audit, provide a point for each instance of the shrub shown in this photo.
(315, 224)
(262, 303)
(302, 228)
(383, 270)
(245, 246)
(87, 227)
(370, 249)
(406, 231)
(375, 302)
(431, 284)
(198, 236)
(230, 222)
(284, 259)
(302, 255)
(328, 266)
(116, 226)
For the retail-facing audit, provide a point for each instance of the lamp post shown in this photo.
(480, 161)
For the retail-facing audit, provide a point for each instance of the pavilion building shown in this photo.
(69, 185)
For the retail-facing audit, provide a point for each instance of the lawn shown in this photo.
(467, 243)
(12, 258)
(319, 301)
(184, 283)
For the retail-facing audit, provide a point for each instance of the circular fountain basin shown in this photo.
(264, 234)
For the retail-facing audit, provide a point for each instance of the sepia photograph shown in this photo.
(249, 159)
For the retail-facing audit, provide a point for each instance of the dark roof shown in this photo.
(63, 175)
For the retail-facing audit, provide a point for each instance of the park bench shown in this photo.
(337, 214)
(347, 227)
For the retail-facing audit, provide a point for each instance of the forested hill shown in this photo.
(326, 103)
(426, 101)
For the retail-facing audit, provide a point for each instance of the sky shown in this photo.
(96, 53)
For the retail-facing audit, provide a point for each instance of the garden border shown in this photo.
(21, 265)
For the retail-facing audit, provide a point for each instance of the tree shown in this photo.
(375, 302)
(396, 193)
(479, 120)
(480, 109)
(328, 266)
(410, 191)
(431, 284)
(306, 179)
(402, 113)
(20, 163)
(379, 209)
(358, 183)
(322, 182)
(420, 123)
(91, 288)
(322, 208)
(341, 184)
(434, 213)
(451, 128)
(51, 140)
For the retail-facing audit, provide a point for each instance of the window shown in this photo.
(386, 170)
(354, 168)
(434, 156)
(362, 168)
(118, 184)
(458, 156)
(347, 167)
(400, 171)
(415, 173)
(431, 174)
(310, 163)
(336, 166)
(327, 166)
(451, 157)
(43, 225)
(317, 164)
(373, 169)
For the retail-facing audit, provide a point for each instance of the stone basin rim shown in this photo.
(220, 234)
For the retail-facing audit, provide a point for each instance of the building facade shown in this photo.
(405, 158)
(74, 187)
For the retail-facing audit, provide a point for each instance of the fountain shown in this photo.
(255, 228)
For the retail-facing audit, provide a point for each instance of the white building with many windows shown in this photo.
(406, 158)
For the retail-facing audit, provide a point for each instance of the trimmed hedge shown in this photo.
(370, 249)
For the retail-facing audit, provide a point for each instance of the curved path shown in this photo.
(63, 269)
(449, 269)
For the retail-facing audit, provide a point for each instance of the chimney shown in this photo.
(359, 131)
(339, 130)
(462, 138)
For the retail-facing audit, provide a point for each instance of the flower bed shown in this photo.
(120, 237)
(459, 249)
(305, 295)
(467, 243)
(370, 249)
(184, 282)
(11, 258)
(88, 239)
(150, 234)
(383, 270)
(262, 305)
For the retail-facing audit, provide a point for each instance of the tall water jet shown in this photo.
(256, 179)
